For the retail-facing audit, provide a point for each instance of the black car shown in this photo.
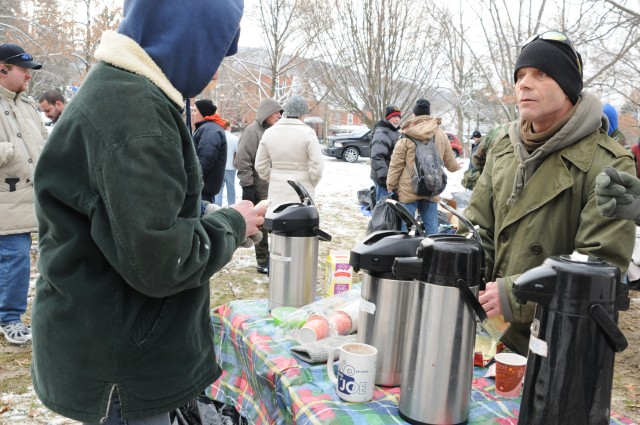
(349, 146)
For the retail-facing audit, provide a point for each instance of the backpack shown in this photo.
(429, 178)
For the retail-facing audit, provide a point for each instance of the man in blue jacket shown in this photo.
(121, 328)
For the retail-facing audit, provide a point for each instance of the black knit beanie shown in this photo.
(556, 59)
(206, 107)
(422, 107)
(392, 111)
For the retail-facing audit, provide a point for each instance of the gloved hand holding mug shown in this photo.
(618, 194)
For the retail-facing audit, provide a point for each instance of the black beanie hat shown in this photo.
(206, 107)
(423, 107)
(392, 111)
(556, 59)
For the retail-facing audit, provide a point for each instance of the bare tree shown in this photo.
(375, 53)
(599, 32)
(277, 70)
(99, 16)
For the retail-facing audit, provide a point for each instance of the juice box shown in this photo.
(338, 272)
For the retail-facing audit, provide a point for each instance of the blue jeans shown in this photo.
(230, 184)
(428, 212)
(15, 266)
(114, 416)
(381, 191)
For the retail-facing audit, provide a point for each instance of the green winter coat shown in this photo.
(122, 301)
(554, 214)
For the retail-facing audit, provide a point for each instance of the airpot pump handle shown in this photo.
(614, 335)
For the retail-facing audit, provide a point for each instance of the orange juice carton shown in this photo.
(338, 272)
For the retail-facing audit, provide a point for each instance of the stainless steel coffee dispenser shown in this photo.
(385, 299)
(437, 368)
(574, 338)
(293, 258)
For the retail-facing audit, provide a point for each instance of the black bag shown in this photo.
(429, 178)
(384, 216)
(367, 198)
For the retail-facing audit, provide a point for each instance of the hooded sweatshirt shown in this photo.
(248, 146)
(178, 43)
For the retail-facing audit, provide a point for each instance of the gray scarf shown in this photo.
(587, 118)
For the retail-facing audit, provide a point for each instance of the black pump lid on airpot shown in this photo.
(292, 220)
(376, 254)
(444, 260)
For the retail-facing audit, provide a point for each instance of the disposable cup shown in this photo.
(316, 328)
(510, 369)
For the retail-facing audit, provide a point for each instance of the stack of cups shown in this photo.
(341, 322)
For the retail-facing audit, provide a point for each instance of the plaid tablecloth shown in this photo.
(269, 385)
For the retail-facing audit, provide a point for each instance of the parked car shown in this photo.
(455, 144)
(349, 146)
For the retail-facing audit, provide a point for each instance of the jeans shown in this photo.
(381, 191)
(15, 267)
(230, 184)
(429, 213)
(114, 416)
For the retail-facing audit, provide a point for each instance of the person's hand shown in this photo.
(383, 181)
(490, 300)
(618, 194)
(253, 215)
(249, 193)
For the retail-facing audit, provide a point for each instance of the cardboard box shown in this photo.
(338, 272)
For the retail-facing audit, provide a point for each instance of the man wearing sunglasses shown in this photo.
(535, 197)
(22, 135)
(121, 325)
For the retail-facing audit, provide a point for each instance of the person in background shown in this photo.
(290, 150)
(254, 188)
(229, 169)
(211, 146)
(121, 315)
(385, 136)
(22, 136)
(475, 140)
(635, 150)
(52, 103)
(613, 131)
(535, 197)
(423, 128)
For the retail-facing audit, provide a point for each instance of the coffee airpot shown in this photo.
(293, 258)
(437, 366)
(574, 338)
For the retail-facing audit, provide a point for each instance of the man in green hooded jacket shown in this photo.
(535, 197)
(121, 316)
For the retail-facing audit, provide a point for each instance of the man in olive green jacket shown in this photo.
(535, 197)
(121, 315)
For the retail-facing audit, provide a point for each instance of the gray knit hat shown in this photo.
(295, 107)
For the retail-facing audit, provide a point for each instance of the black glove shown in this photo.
(249, 193)
(382, 181)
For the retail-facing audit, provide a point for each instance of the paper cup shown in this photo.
(316, 328)
(509, 374)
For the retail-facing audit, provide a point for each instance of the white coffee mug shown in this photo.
(356, 371)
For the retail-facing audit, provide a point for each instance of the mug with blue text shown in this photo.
(356, 371)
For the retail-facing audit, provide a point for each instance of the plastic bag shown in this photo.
(384, 216)
(204, 411)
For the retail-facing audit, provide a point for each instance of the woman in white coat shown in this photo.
(290, 150)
